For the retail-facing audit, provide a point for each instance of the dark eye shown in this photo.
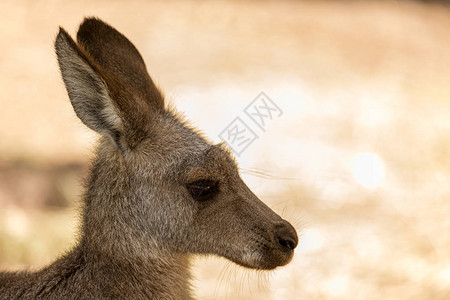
(204, 189)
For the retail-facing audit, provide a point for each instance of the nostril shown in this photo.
(286, 236)
(287, 243)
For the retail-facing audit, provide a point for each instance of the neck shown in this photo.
(121, 255)
(114, 259)
(162, 277)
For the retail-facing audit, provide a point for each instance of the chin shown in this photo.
(265, 261)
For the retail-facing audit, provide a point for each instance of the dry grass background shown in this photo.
(359, 161)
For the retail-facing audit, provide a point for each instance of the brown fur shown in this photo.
(142, 218)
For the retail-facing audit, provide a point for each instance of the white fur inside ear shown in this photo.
(87, 90)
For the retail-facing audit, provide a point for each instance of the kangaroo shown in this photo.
(158, 191)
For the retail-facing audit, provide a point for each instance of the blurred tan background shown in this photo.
(359, 161)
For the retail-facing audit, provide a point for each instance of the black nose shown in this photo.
(286, 236)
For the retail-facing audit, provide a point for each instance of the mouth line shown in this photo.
(267, 259)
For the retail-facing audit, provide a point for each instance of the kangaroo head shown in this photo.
(163, 184)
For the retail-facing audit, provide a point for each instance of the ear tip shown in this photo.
(88, 22)
(62, 36)
(89, 26)
(64, 43)
(91, 19)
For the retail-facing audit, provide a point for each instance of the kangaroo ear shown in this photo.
(88, 91)
(118, 57)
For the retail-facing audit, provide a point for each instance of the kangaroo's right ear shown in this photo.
(87, 89)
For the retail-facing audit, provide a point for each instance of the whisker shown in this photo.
(261, 173)
(221, 278)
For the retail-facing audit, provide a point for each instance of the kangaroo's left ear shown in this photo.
(87, 89)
